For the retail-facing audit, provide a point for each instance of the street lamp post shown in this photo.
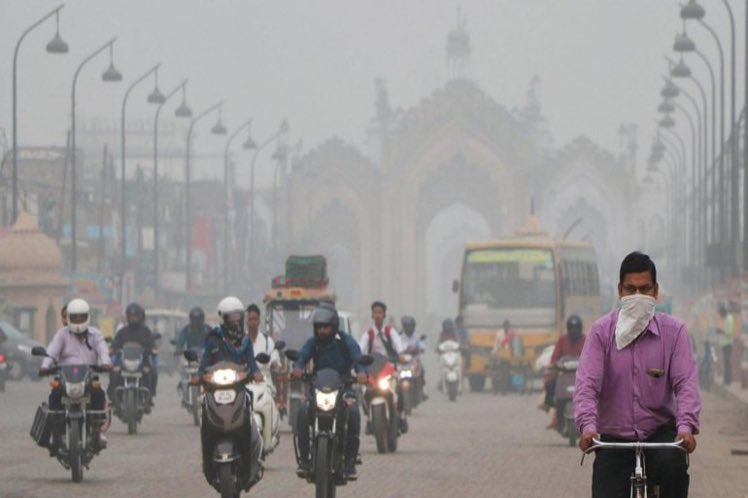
(226, 194)
(183, 112)
(156, 97)
(258, 149)
(55, 46)
(110, 75)
(218, 129)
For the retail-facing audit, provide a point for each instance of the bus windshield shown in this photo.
(291, 322)
(515, 284)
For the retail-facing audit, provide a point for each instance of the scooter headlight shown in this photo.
(384, 384)
(326, 401)
(406, 373)
(224, 377)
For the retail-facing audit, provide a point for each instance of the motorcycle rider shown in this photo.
(228, 342)
(261, 342)
(414, 345)
(77, 343)
(136, 331)
(194, 334)
(570, 344)
(330, 347)
(385, 340)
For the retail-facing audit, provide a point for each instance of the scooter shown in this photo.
(410, 381)
(231, 442)
(78, 445)
(566, 367)
(264, 408)
(450, 368)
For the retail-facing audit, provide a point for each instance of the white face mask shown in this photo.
(636, 312)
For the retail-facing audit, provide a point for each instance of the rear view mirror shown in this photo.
(263, 358)
(173, 342)
(280, 345)
(190, 355)
(366, 360)
(292, 354)
(423, 337)
(38, 351)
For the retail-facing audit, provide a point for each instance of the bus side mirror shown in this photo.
(455, 286)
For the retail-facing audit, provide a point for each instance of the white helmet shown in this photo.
(231, 313)
(79, 316)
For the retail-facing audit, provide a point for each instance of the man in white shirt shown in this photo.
(380, 338)
(385, 340)
(262, 343)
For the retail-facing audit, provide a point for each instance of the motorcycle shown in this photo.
(382, 404)
(131, 399)
(450, 368)
(78, 446)
(231, 442)
(328, 427)
(566, 367)
(410, 382)
(189, 394)
(264, 408)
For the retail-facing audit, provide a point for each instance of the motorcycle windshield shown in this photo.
(74, 373)
(328, 380)
(132, 351)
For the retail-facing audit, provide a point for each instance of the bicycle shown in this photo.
(639, 488)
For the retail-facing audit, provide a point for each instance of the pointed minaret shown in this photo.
(458, 49)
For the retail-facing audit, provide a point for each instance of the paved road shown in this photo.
(483, 445)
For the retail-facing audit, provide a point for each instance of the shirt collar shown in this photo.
(653, 326)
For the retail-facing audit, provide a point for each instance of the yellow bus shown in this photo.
(535, 283)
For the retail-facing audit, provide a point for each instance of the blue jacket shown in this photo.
(331, 355)
(218, 349)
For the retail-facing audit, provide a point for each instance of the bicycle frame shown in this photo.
(639, 477)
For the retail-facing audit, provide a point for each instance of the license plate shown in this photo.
(225, 396)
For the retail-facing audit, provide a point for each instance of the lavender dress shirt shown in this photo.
(651, 382)
(66, 349)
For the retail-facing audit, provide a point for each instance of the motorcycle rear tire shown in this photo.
(379, 426)
(131, 415)
(226, 481)
(323, 481)
(74, 454)
(452, 391)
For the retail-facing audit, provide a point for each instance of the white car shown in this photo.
(349, 323)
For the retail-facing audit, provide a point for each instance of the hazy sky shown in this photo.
(315, 61)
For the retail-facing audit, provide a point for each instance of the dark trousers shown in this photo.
(727, 362)
(550, 391)
(352, 437)
(667, 468)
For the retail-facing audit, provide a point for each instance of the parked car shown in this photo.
(17, 347)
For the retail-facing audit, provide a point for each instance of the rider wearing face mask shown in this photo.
(637, 381)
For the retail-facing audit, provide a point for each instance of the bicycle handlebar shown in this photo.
(634, 445)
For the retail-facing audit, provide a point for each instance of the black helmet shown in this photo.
(574, 324)
(409, 324)
(135, 314)
(326, 314)
(448, 325)
(197, 316)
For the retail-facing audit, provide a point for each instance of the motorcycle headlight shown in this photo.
(131, 365)
(224, 377)
(384, 384)
(406, 374)
(75, 389)
(326, 401)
